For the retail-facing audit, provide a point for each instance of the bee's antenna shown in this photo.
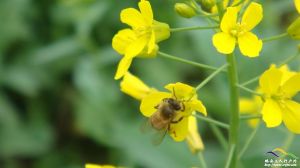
(174, 93)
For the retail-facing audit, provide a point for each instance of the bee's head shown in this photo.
(173, 103)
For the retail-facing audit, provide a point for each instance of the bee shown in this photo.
(165, 115)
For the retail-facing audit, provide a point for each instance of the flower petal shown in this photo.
(134, 87)
(136, 47)
(161, 30)
(224, 43)
(193, 138)
(291, 117)
(297, 4)
(151, 43)
(270, 80)
(197, 105)
(272, 114)
(181, 91)
(229, 19)
(132, 17)
(252, 16)
(292, 86)
(179, 131)
(122, 40)
(286, 73)
(123, 67)
(249, 44)
(146, 11)
(149, 102)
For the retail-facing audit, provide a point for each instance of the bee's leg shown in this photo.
(175, 122)
(156, 107)
(183, 106)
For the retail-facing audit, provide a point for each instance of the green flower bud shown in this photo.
(294, 29)
(207, 4)
(184, 10)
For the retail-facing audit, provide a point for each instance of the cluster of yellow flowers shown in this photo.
(277, 86)
(272, 100)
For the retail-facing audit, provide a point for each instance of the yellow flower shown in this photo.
(187, 97)
(233, 32)
(134, 87)
(279, 86)
(98, 166)
(193, 138)
(251, 106)
(297, 4)
(142, 39)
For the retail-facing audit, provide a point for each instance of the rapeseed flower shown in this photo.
(238, 32)
(136, 88)
(279, 86)
(141, 40)
(184, 94)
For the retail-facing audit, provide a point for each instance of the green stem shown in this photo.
(249, 90)
(249, 117)
(276, 37)
(230, 156)
(234, 104)
(248, 142)
(202, 160)
(289, 59)
(212, 121)
(193, 28)
(212, 75)
(186, 61)
(219, 135)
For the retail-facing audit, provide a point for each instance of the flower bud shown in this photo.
(207, 4)
(294, 29)
(185, 10)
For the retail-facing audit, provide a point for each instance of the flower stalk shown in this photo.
(212, 121)
(234, 104)
(276, 37)
(193, 28)
(165, 55)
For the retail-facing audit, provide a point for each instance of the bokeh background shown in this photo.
(60, 106)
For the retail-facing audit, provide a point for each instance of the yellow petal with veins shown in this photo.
(249, 44)
(252, 16)
(229, 19)
(291, 116)
(146, 11)
(224, 43)
(272, 114)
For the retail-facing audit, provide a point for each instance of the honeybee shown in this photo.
(164, 116)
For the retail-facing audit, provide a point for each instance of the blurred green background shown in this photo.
(60, 106)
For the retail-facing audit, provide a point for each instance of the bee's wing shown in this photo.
(159, 136)
(146, 126)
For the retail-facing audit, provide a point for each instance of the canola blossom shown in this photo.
(238, 32)
(136, 88)
(183, 93)
(141, 40)
(279, 86)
